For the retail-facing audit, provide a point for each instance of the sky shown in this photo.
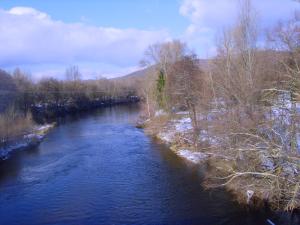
(108, 38)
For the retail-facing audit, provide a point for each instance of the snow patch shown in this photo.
(194, 157)
(27, 140)
(167, 137)
(182, 113)
(183, 124)
(45, 127)
(160, 113)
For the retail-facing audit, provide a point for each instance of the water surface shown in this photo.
(97, 168)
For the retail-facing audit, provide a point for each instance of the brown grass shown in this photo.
(156, 124)
(278, 186)
(13, 124)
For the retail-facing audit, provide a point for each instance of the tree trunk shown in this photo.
(193, 117)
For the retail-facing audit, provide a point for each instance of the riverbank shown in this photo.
(249, 187)
(28, 140)
(47, 111)
(176, 132)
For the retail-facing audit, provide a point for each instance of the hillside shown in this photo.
(135, 76)
(140, 74)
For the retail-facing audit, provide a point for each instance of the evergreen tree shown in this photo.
(160, 89)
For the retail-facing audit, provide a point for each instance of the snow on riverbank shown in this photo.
(194, 157)
(234, 165)
(26, 141)
(175, 126)
(183, 125)
(180, 129)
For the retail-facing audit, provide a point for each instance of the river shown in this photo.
(97, 168)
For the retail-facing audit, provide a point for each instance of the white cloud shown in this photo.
(208, 17)
(21, 11)
(208, 13)
(32, 37)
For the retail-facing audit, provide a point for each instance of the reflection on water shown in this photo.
(97, 168)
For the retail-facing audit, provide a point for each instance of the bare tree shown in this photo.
(185, 84)
(162, 56)
(25, 88)
(253, 128)
(50, 89)
(147, 91)
(74, 85)
(73, 74)
(237, 54)
(286, 40)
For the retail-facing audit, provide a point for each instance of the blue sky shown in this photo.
(141, 14)
(108, 37)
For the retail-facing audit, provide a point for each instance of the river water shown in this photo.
(97, 168)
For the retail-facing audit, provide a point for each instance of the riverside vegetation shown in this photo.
(24, 104)
(237, 112)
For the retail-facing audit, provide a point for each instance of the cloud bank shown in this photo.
(30, 37)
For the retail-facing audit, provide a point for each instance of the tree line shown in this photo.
(24, 101)
(72, 90)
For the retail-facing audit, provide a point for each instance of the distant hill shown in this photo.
(137, 75)
(140, 74)
(7, 90)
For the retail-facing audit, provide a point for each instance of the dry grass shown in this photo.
(156, 124)
(255, 167)
(12, 125)
(259, 166)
